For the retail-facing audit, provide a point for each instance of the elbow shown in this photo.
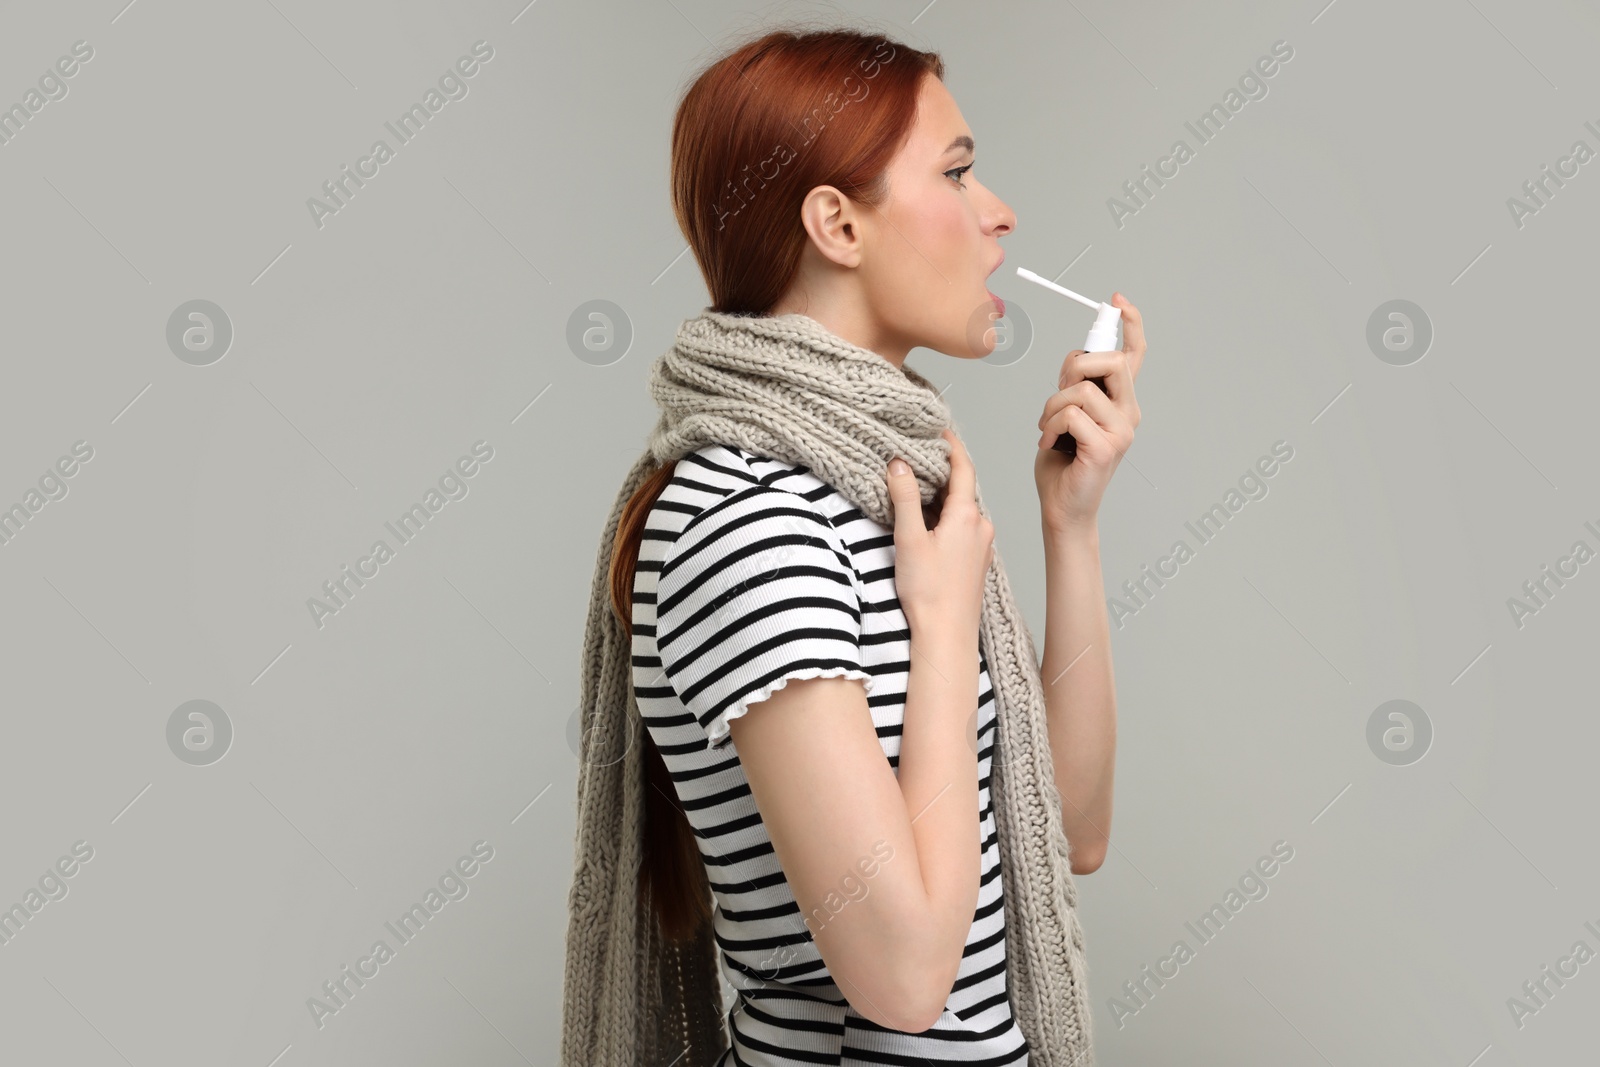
(902, 962)
(911, 1002)
(924, 1021)
(911, 1014)
(916, 1010)
(934, 982)
(1087, 844)
(1087, 859)
(923, 1011)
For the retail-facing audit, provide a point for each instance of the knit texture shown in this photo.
(788, 388)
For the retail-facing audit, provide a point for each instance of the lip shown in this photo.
(1001, 304)
(997, 263)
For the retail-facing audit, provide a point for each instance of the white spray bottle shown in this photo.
(1102, 338)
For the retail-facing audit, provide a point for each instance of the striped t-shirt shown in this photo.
(752, 572)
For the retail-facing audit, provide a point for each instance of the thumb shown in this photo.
(907, 497)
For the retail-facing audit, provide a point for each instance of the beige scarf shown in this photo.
(788, 388)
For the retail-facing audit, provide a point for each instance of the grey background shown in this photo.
(434, 710)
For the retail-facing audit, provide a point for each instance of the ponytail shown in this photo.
(672, 876)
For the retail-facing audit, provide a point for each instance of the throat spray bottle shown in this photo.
(1102, 338)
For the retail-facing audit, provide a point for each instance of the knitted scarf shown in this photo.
(787, 388)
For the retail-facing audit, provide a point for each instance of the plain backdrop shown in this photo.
(365, 751)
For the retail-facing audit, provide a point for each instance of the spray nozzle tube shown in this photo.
(1103, 334)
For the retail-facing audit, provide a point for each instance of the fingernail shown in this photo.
(899, 466)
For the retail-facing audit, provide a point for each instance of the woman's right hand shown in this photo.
(939, 574)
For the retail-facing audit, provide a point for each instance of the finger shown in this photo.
(906, 498)
(1103, 414)
(1111, 366)
(1085, 395)
(963, 478)
(1117, 431)
(1091, 437)
(1132, 329)
(1066, 364)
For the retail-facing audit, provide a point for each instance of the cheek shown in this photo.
(926, 287)
(946, 228)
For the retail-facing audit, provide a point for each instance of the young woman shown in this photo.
(820, 721)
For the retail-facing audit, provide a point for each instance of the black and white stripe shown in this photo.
(753, 572)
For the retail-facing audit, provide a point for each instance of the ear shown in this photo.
(833, 221)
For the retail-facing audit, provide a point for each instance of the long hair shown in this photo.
(757, 130)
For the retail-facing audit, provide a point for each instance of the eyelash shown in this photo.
(958, 172)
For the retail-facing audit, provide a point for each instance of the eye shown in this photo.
(958, 172)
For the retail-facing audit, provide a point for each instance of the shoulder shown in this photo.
(717, 484)
(728, 514)
(749, 584)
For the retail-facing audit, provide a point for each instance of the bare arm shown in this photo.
(1097, 405)
(909, 848)
(828, 795)
(1079, 691)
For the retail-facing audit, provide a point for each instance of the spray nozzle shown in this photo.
(1103, 334)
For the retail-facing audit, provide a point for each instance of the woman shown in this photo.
(847, 745)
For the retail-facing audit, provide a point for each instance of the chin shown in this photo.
(977, 336)
(962, 349)
(963, 335)
(984, 348)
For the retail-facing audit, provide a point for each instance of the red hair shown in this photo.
(757, 130)
(767, 123)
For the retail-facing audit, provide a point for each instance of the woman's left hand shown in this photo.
(1102, 422)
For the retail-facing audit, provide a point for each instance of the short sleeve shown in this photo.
(756, 590)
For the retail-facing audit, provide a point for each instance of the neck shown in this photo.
(851, 320)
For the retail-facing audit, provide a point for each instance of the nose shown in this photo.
(999, 219)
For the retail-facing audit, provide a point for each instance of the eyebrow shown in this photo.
(962, 141)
